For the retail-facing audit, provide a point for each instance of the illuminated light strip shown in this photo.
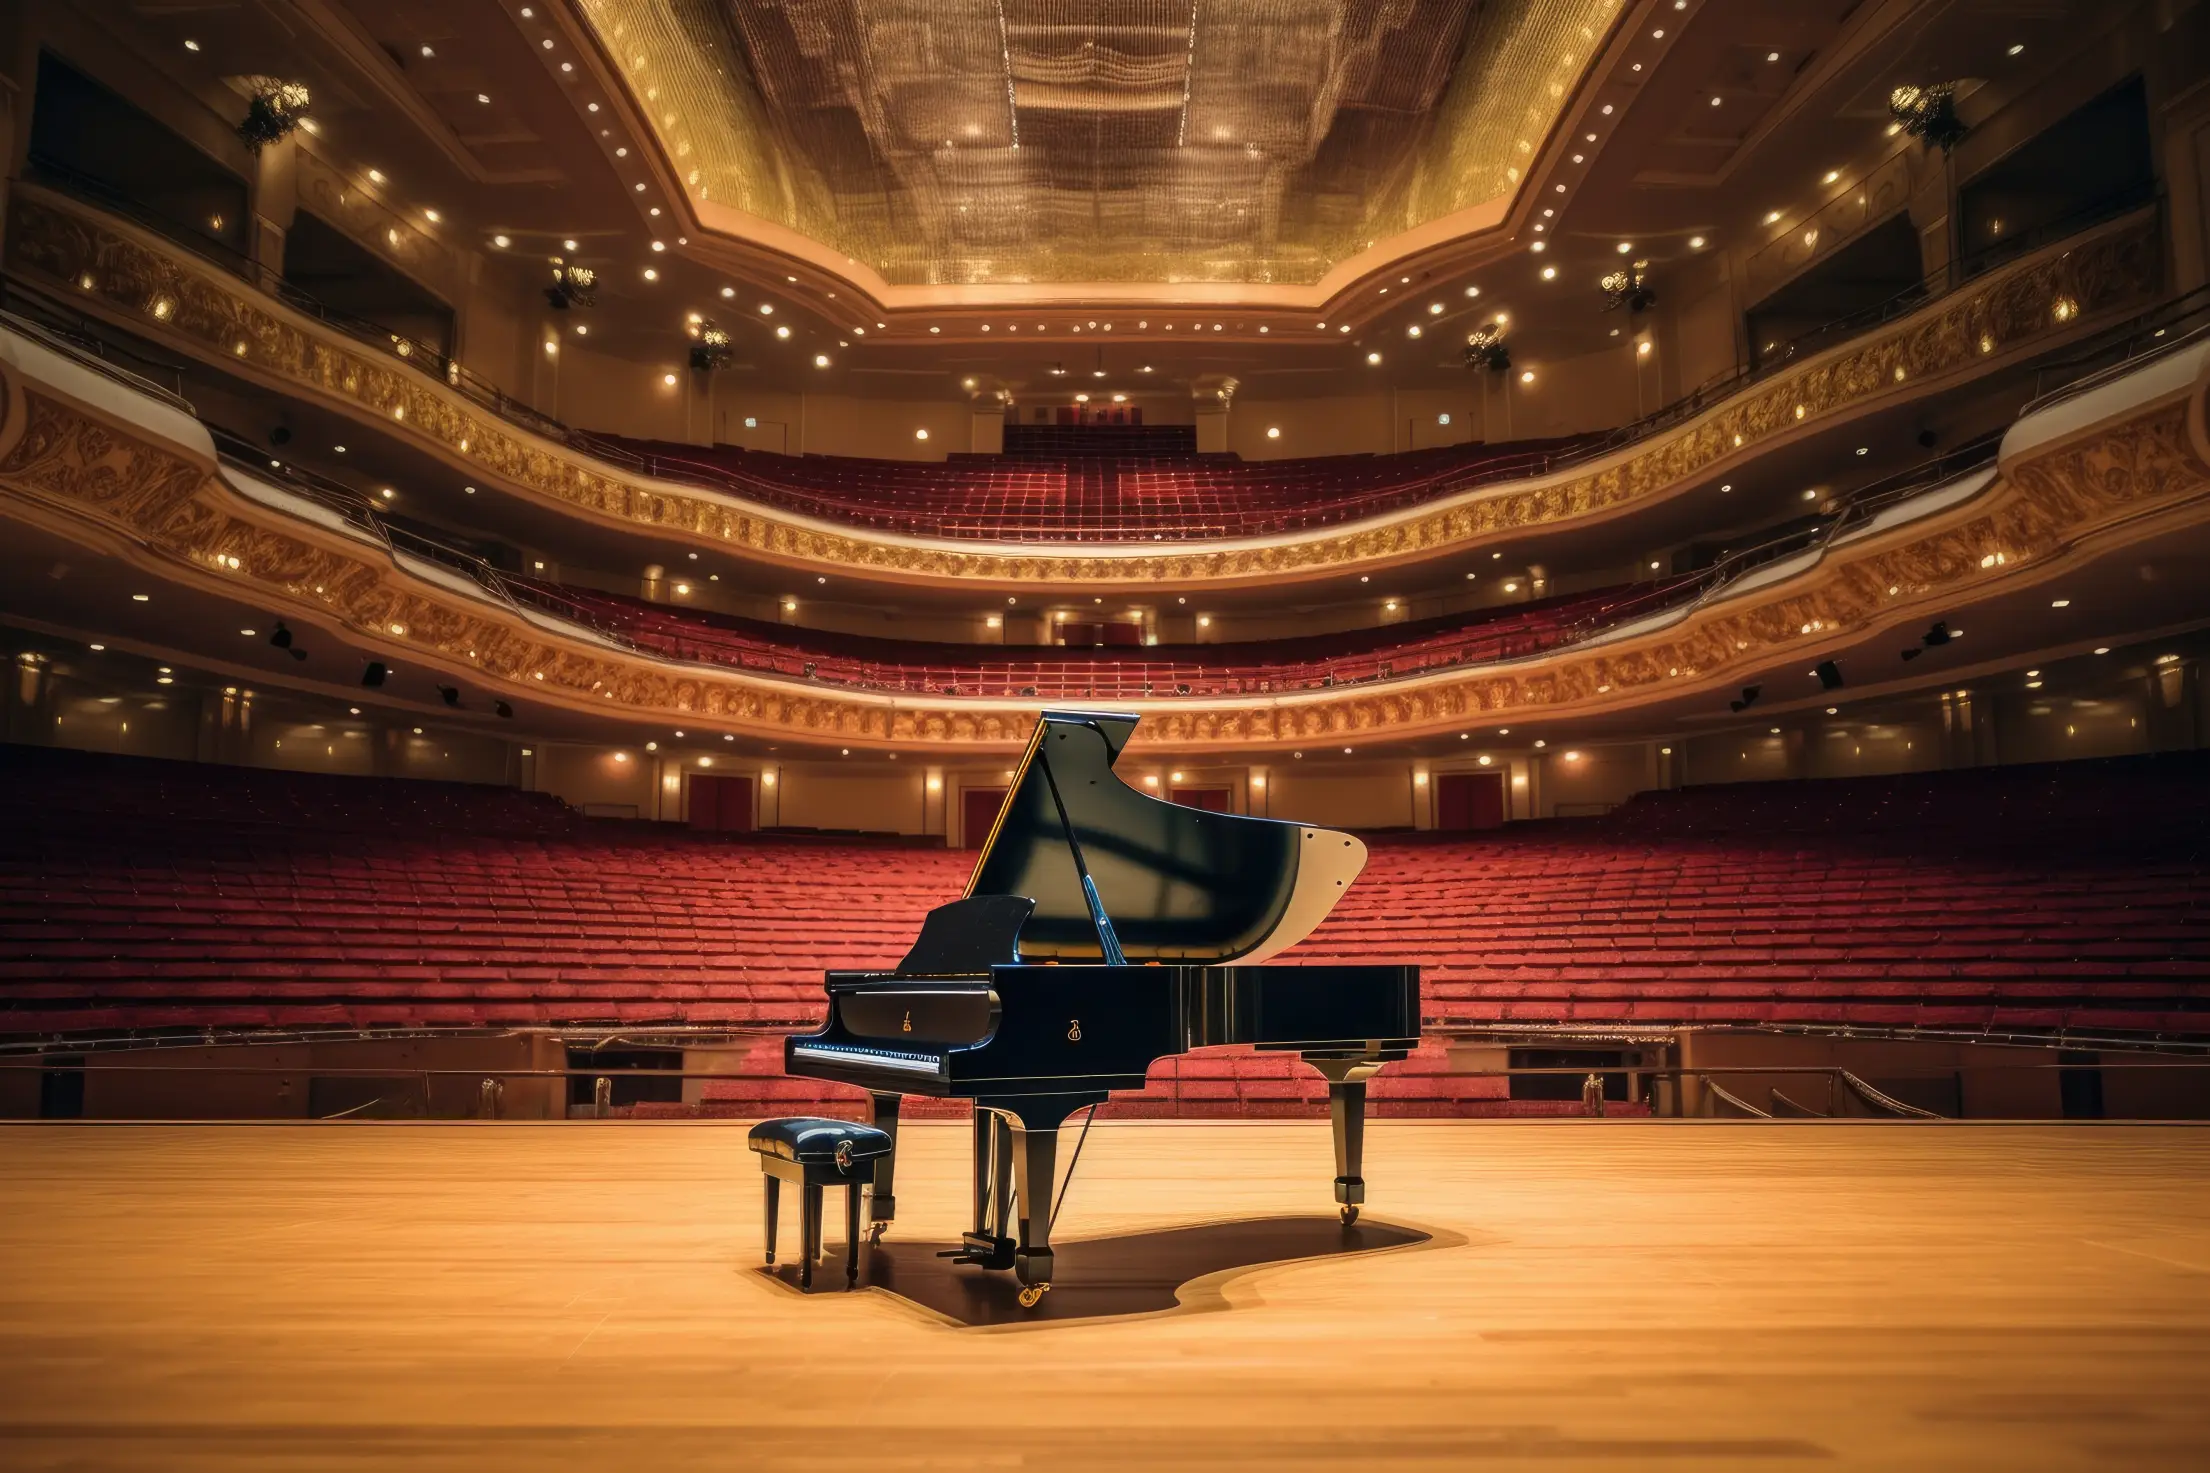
(1189, 76)
(1005, 52)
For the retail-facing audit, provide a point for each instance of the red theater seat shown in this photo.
(1483, 636)
(1102, 485)
(141, 897)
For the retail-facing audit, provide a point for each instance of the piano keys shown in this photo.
(1102, 930)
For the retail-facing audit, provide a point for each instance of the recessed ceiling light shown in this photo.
(2015, 50)
(1772, 56)
(1773, 218)
(1830, 176)
(191, 45)
(2060, 603)
(1695, 242)
(1549, 273)
(2101, 649)
(1373, 357)
(1716, 101)
(651, 275)
(1539, 246)
(483, 97)
(1625, 246)
(141, 598)
(501, 241)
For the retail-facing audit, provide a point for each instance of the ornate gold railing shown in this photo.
(156, 288)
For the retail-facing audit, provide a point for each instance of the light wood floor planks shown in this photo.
(1614, 1295)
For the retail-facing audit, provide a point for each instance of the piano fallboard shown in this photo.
(1042, 1030)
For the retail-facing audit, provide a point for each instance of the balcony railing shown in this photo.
(434, 364)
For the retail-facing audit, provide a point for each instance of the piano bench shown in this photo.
(813, 1153)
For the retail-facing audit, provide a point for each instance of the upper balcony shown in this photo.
(1225, 526)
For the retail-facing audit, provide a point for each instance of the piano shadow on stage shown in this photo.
(1184, 1268)
(1103, 929)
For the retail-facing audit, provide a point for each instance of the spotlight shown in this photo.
(504, 711)
(1750, 693)
(1938, 635)
(1830, 675)
(450, 694)
(282, 639)
(373, 676)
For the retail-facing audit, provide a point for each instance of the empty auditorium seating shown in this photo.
(141, 897)
(1483, 636)
(2071, 897)
(1099, 495)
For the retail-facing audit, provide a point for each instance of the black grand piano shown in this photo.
(1103, 929)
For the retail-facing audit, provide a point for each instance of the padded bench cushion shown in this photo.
(810, 1139)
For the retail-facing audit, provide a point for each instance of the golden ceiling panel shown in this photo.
(1008, 142)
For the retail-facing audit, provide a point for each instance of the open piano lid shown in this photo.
(1179, 884)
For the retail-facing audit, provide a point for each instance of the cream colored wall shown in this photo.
(1368, 796)
(1587, 780)
(819, 795)
(582, 775)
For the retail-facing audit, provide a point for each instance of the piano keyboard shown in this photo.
(880, 1058)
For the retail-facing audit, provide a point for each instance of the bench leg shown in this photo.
(772, 1195)
(812, 1232)
(884, 1207)
(851, 1234)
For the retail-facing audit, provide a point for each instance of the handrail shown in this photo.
(1734, 1101)
(360, 512)
(1694, 590)
(1881, 1100)
(92, 353)
(2146, 337)
(435, 363)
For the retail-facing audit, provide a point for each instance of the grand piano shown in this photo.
(1103, 929)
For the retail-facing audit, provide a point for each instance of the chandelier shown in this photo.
(1485, 349)
(1629, 287)
(1930, 113)
(573, 286)
(274, 111)
(712, 349)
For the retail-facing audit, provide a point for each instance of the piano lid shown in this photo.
(1179, 884)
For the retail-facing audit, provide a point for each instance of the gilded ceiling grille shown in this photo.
(1051, 141)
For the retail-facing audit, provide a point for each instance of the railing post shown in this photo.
(602, 1097)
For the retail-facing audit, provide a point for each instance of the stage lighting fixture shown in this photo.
(281, 637)
(1938, 635)
(373, 676)
(450, 694)
(1750, 693)
(1830, 675)
(503, 709)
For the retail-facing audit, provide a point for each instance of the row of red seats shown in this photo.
(1095, 498)
(2072, 898)
(1258, 667)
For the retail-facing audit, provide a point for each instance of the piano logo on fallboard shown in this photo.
(1074, 1030)
(907, 1025)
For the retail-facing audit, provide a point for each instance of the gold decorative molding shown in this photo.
(101, 481)
(164, 292)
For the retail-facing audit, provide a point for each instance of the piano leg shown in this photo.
(883, 1201)
(1347, 1113)
(1035, 1160)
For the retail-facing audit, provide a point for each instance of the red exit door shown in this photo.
(1212, 800)
(723, 804)
(978, 810)
(1469, 800)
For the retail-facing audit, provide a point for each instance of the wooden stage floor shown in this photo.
(1685, 1295)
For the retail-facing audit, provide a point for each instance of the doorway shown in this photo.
(1465, 801)
(1212, 800)
(721, 804)
(978, 812)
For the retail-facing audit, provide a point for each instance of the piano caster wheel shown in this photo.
(1349, 1215)
(1033, 1295)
